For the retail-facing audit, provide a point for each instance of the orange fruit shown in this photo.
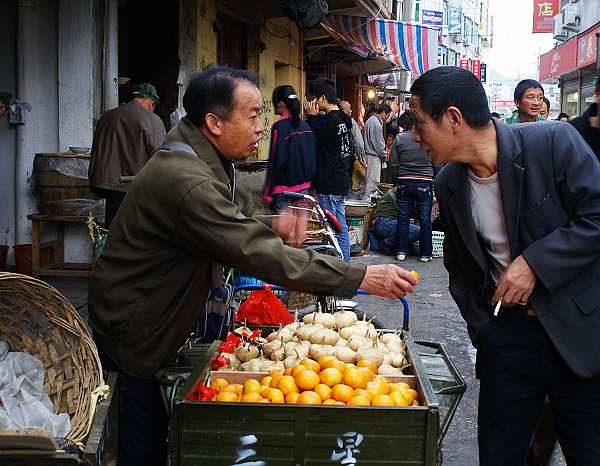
(368, 375)
(266, 380)
(363, 392)
(368, 364)
(274, 372)
(359, 400)
(349, 365)
(307, 380)
(330, 376)
(330, 401)
(399, 386)
(297, 369)
(415, 403)
(264, 390)
(275, 380)
(335, 363)
(342, 392)
(288, 371)
(252, 397)
(292, 398)
(287, 384)
(383, 400)
(354, 378)
(309, 398)
(251, 386)
(233, 388)
(415, 274)
(410, 395)
(275, 396)
(228, 397)
(399, 400)
(218, 383)
(377, 388)
(311, 365)
(340, 403)
(323, 390)
(325, 360)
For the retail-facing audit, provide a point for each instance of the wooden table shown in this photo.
(60, 268)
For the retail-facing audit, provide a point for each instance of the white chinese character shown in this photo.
(347, 443)
(244, 454)
(545, 9)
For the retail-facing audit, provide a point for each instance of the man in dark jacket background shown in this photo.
(588, 124)
(334, 162)
(124, 139)
(520, 206)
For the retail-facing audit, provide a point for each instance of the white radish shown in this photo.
(370, 354)
(247, 352)
(344, 319)
(386, 369)
(306, 331)
(357, 342)
(254, 365)
(317, 351)
(345, 354)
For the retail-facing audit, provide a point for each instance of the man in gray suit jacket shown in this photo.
(520, 206)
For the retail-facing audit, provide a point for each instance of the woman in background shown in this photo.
(292, 155)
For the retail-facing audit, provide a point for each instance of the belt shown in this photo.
(525, 308)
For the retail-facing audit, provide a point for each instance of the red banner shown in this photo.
(559, 61)
(543, 13)
(477, 68)
(464, 64)
(587, 47)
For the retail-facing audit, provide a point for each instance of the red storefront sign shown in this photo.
(559, 61)
(587, 47)
(464, 64)
(543, 13)
(477, 68)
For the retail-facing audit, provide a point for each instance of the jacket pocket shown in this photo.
(587, 301)
(544, 217)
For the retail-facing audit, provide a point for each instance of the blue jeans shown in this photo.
(420, 193)
(335, 204)
(281, 202)
(386, 229)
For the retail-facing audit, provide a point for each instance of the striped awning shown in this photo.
(409, 46)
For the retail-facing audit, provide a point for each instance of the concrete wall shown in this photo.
(207, 39)
(8, 83)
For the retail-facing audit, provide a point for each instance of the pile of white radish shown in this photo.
(322, 334)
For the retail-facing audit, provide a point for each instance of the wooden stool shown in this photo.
(59, 268)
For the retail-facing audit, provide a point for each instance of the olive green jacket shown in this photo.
(152, 280)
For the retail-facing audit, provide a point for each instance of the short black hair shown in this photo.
(451, 86)
(495, 115)
(524, 85)
(383, 108)
(562, 115)
(547, 102)
(211, 91)
(406, 121)
(323, 87)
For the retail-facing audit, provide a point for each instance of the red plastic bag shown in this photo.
(263, 308)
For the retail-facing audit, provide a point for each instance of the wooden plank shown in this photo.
(27, 439)
(49, 272)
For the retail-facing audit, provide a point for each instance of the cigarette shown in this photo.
(497, 308)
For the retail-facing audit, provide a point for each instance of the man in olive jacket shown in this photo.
(177, 220)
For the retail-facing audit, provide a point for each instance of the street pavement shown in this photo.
(433, 317)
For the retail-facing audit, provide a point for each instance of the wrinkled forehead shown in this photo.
(246, 97)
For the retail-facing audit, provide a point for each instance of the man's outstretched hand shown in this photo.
(388, 281)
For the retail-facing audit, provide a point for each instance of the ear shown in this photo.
(213, 124)
(455, 117)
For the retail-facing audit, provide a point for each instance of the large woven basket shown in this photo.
(36, 318)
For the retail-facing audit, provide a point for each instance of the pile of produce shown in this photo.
(328, 381)
(340, 335)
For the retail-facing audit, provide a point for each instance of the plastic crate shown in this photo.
(437, 238)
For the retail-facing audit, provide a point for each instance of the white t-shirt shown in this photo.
(488, 217)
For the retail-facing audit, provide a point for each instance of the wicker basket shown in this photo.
(36, 318)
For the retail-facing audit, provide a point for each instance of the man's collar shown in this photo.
(204, 149)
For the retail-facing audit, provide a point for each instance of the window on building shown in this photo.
(569, 103)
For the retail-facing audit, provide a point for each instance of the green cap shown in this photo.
(146, 90)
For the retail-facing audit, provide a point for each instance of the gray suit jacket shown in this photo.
(550, 187)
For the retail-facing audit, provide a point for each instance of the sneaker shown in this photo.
(425, 259)
(400, 257)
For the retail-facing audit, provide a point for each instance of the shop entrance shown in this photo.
(149, 50)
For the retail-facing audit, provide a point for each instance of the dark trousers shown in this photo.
(113, 202)
(143, 421)
(518, 366)
(420, 193)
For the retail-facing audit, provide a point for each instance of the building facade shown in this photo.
(572, 63)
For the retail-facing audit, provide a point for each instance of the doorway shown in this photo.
(149, 51)
(232, 43)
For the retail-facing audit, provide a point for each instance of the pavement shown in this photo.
(434, 317)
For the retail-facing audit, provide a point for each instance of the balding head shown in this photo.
(345, 107)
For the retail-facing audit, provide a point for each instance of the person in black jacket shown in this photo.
(520, 206)
(292, 155)
(588, 124)
(334, 162)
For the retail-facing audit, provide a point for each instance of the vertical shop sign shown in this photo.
(483, 73)
(454, 20)
(464, 64)
(476, 68)
(544, 12)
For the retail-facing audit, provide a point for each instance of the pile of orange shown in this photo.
(327, 381)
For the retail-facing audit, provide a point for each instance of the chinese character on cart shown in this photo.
(348, 444)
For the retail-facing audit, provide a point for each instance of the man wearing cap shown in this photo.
(124, 140)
